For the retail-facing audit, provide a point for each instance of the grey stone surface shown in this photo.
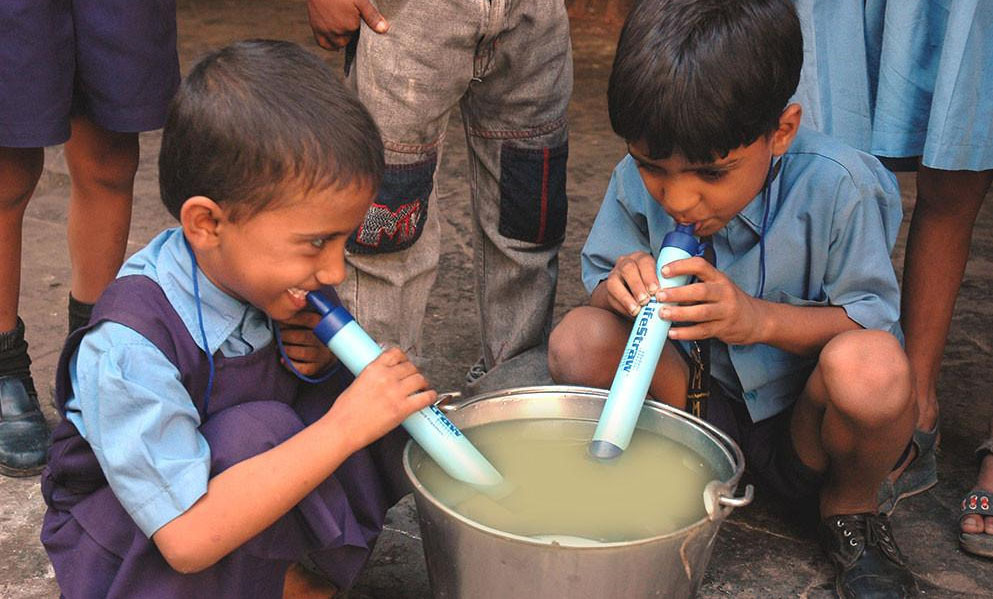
(759, 553)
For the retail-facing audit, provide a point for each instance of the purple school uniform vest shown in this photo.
(255, 404)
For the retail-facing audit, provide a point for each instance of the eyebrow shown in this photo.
(693, 167)
(320, 234)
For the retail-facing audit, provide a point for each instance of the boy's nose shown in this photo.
(679, 203)
(331, 269)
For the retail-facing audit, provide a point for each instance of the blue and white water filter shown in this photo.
(429, 427)
(641, 355)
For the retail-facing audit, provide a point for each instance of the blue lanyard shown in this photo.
(766, 202)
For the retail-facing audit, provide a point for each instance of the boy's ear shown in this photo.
(789, 124)
(201, 217)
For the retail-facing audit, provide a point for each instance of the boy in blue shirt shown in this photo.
(801, 307)
(191, 462)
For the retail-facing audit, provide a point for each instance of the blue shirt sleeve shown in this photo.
(621, 225)
(134, 411)
(859, 275)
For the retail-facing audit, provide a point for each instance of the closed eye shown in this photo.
(711, 175)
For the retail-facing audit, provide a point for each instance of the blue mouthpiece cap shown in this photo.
(333, 316)
(320, 302)
(683, 239)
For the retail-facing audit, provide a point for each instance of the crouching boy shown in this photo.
(801, 305)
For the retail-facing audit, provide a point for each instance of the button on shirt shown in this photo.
(146, 437)
(833, 219)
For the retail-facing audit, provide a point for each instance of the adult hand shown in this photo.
(335, 22)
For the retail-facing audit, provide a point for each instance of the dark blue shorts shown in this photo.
(770, 455)
(113, 60)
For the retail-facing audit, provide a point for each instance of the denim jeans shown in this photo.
(507, 64)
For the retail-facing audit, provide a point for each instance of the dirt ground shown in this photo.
(758, 553)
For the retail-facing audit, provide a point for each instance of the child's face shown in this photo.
(708, 194)
(273, 258)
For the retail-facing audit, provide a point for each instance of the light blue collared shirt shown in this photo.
(129, 402)
(833, 219)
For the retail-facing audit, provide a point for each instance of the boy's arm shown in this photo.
(720, 309)
(131, 407)
(251, 495)
(855, 286)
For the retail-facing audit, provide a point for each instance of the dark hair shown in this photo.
(703, 77)
(258, 117)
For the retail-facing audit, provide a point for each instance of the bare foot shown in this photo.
(301, 584)
(974, 523)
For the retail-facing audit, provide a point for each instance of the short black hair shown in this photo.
(259, 118)
(703, 77)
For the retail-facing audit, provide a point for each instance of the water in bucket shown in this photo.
(654, 488)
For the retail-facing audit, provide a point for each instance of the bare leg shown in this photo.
(102, 165)
(854, 418)
(586, 347)
(937, 250)
(20, 169)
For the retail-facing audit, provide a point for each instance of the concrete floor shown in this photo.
(758, 553)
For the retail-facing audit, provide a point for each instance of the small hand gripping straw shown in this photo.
(432, 430)
(641, 355)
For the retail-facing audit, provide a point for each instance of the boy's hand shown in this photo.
(308, 355)
(631, 283)
(718, 306)
(335, 22)
(388, 390)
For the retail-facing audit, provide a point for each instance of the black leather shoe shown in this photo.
(870, 565)
(23, 432)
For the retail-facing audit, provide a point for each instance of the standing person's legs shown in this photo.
(36, 75)
(409, 79)
(515, 119)
(937, 251)
(102, 165)
(23, 433)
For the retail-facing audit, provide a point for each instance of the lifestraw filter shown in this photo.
(429, 427)
(641, 355)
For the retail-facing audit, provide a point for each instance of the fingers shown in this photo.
(423, 399)
(372, 17)
(694, 267)
(632, 282)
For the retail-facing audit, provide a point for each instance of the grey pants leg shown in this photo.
(509, 66)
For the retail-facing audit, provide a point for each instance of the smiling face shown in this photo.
(273, 258)
(710, 194)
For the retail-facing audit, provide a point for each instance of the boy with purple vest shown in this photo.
(191, 462)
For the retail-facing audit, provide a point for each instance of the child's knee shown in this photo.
(246, 430)
(868, 376)
(578, 346)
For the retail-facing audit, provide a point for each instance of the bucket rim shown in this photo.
(725, 441)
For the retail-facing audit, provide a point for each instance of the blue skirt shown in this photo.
(902, 78)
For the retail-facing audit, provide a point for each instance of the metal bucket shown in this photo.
(468, 560)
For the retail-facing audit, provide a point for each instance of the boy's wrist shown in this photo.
(764, 319)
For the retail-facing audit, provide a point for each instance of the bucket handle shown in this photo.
(449, 401)
(719, 499)
(733, 502)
